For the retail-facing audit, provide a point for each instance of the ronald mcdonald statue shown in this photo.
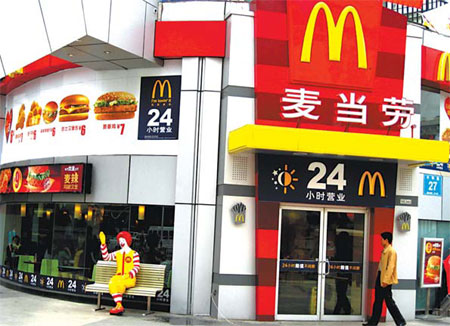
(128, 264)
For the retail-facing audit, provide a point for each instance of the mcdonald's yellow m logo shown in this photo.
(162, 86)
(444, 67)
(61, 284)
(405, 226)
(335, 34)
(372, 180)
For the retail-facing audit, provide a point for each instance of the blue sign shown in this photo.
(436, 166)
(432, 185)
(159, 107)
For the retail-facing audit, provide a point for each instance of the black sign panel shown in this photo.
(45, 282)
(326, 181)
(159, 107)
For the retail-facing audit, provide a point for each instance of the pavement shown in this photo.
(19, 308)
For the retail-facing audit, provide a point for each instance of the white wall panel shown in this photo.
(212, 79)
(436, 41)
(237, 254)
(181, 259)
(236, 302)
(109, 179)
(189, 81)
(185, 167)
(152, 180)
(413, 69)
(63, 28)
(406, 303)
(97, 14)
(430, 207)
(204, 243)
(193, 10)
(405, 243)
(239, 59)
(128, 34)
(445, 195)
(29, 41)
(240, 111)
(149, 34)
(209, 144)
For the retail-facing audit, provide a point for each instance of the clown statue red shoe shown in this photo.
(128, 265)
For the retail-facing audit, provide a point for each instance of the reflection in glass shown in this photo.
(297, 293)
(61, 239)
(345, 249)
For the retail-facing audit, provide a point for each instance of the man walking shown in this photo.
(387, 275)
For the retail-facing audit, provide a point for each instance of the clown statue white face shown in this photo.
(124, 245)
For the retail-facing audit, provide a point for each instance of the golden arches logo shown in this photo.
(443, 73)
(61, 284)
(162, 86)
(372, 180)
(335, 34)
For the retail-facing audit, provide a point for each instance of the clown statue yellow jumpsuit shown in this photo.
(128, 265)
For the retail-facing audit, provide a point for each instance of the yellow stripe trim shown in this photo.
(257, 137)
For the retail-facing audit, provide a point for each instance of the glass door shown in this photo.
(344, 265)
(321, 270)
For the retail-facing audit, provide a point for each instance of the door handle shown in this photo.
(327, 267)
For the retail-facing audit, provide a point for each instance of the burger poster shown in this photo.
(432, 250)
(65, 178)
(74, 113)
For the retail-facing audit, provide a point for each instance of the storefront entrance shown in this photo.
(321, 264)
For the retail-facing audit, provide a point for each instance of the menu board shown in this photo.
(58, 178)
(103, 117)
(431, 267)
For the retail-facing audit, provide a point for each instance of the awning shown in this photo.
(281, 139)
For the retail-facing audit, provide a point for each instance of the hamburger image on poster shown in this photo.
(38, 178)
(74, 108)
(115, 106)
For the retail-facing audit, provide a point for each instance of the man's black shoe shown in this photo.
(369, 324)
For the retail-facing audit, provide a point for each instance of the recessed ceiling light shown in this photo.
(70, 54)
(107, 52)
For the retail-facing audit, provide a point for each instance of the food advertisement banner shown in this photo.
(326, 181)
(431, 270)
(49, 117)
(64, 178)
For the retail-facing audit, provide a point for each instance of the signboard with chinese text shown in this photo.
(59, 178)
(431, 267)
(159, 107)
(331, 65)
(432, 185)
(326, 181)
(70, 114)
(436, 166)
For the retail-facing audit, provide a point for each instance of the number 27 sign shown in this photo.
(432, 185)
(159, 107)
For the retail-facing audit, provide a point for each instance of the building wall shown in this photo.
(233, 295)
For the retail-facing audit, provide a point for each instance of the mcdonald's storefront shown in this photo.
(336, 158)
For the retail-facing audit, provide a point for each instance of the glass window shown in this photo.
(61, 239)
(429, 115)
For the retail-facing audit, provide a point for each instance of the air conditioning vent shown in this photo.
(405, 180)
(240, 166)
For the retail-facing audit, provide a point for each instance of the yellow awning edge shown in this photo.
(271, 138)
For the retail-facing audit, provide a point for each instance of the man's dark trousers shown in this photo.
(384, 294)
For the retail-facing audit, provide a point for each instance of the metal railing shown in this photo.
(414, 14)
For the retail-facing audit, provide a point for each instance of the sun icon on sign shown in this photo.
(284, 178)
